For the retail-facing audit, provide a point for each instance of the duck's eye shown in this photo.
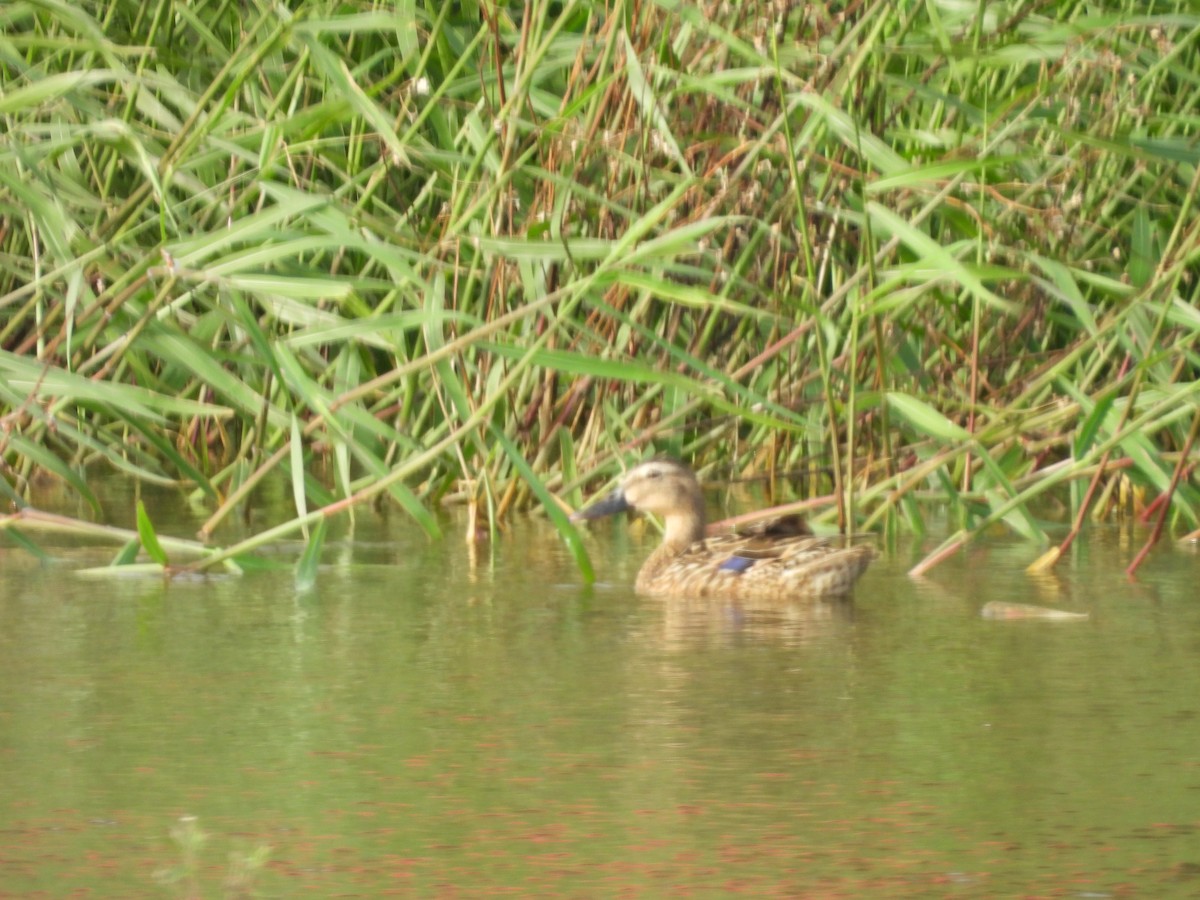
(654, 473)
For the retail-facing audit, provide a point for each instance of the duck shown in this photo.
(780, 561)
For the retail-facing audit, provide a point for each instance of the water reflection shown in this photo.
(711, 622)
(450, 719)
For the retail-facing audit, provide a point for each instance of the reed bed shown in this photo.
(875, 253)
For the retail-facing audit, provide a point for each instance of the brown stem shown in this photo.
(1180, 466)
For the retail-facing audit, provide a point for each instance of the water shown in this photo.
(438, 720)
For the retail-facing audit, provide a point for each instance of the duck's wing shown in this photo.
(752, 548)
(757, 567)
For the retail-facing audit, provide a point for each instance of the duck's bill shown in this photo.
(613, 503)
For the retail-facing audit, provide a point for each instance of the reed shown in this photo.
(893, 252)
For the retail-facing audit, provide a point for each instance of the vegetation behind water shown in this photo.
(494, 251)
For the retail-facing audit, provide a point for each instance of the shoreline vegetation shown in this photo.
(885, 254)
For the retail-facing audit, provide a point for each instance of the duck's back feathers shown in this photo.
(755, 568)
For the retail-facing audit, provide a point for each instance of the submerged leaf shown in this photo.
(127, 554)
(1045, 562)
(25, 543)
(999, 610)
(305, 573)
(566, 528)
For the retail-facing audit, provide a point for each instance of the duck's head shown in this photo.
(667, 489)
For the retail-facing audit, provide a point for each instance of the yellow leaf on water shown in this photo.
(1045, 562)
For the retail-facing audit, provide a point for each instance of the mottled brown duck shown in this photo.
(777, 564)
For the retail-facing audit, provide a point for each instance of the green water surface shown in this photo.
(435, 719)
